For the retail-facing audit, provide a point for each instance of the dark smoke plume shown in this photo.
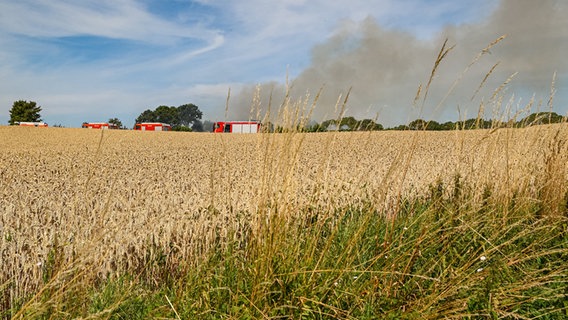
(523, 44)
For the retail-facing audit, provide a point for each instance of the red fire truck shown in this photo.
(237, 126)
(99, 125)
(31, 124)
(152, 126)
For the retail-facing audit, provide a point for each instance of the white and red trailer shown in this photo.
(237, 126)
(152, 126)
(99, 125)
(32, 124)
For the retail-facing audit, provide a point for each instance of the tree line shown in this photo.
(352, 124)
(537, 118)
(187, 117)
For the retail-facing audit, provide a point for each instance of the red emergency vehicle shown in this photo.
(237, 126)
(152, 126)
(99, 125)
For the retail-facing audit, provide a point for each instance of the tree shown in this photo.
(541, 118)
(368, 125)
(182, 128)
(418, 124)
(189, 114)
(178, 117)
(348, 124)
(163, 114)
(328, 125)
(448, 125)
(168, 115)
(116, 122)
(146, 116)
(23, 111)
(401, 127)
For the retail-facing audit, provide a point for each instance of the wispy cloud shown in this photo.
(120, 19)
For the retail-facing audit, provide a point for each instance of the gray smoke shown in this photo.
(385, 68)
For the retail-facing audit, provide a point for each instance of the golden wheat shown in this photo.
(109, 198)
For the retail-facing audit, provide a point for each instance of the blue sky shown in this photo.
(91, 60)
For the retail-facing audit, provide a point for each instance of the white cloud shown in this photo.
(117, 19)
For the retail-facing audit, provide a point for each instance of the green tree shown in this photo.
(541, 118)
(470, 124)
(186, 115)
(189, 114)
(328, 125)
(368, 125)
(116, 122)
(146, 116)
(182, 128)
(448, 125)
(23, 111)
(418, 124)
(348, 124)
(433, 125)
(400, 127)
(165, 114)
(345, 124)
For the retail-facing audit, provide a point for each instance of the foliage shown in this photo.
(189, 114)
(368, 125)
(116, 122)
(24, 111)
(346, 124)
(478, 124)
(185, 115)
(351, 124)
(439, 258)
(146, 116)
(182, 128)
(538, 118)
(418, 124)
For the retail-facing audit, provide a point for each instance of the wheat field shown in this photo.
(101, 201)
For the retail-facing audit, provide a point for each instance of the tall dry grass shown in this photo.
(80, 206)
(465, 223)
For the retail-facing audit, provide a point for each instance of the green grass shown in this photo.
(439, 258)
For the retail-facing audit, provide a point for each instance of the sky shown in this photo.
(92, 60)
